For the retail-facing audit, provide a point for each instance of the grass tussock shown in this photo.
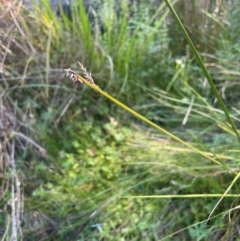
(75, 166)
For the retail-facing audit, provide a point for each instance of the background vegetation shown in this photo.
(75, 166)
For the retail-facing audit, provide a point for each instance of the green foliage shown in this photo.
(200, 232)
(92, 164)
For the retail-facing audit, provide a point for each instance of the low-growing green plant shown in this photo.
(94, 167)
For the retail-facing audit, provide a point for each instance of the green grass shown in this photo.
(86, 167)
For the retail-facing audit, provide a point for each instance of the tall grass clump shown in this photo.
(75, 166)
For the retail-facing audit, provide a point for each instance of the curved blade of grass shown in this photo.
(200, 62)
(224, 195)
(96, 88)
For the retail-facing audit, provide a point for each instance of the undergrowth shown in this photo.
(74, 166)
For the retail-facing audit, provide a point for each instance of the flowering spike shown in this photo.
(73, 76)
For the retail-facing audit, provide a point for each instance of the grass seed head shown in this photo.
(73, 76)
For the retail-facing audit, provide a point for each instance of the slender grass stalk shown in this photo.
(202, 195)
(88, 80)
(204, 69)
(48, 57)
(225, 194)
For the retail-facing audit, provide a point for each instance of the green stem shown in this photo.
(95, 87)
